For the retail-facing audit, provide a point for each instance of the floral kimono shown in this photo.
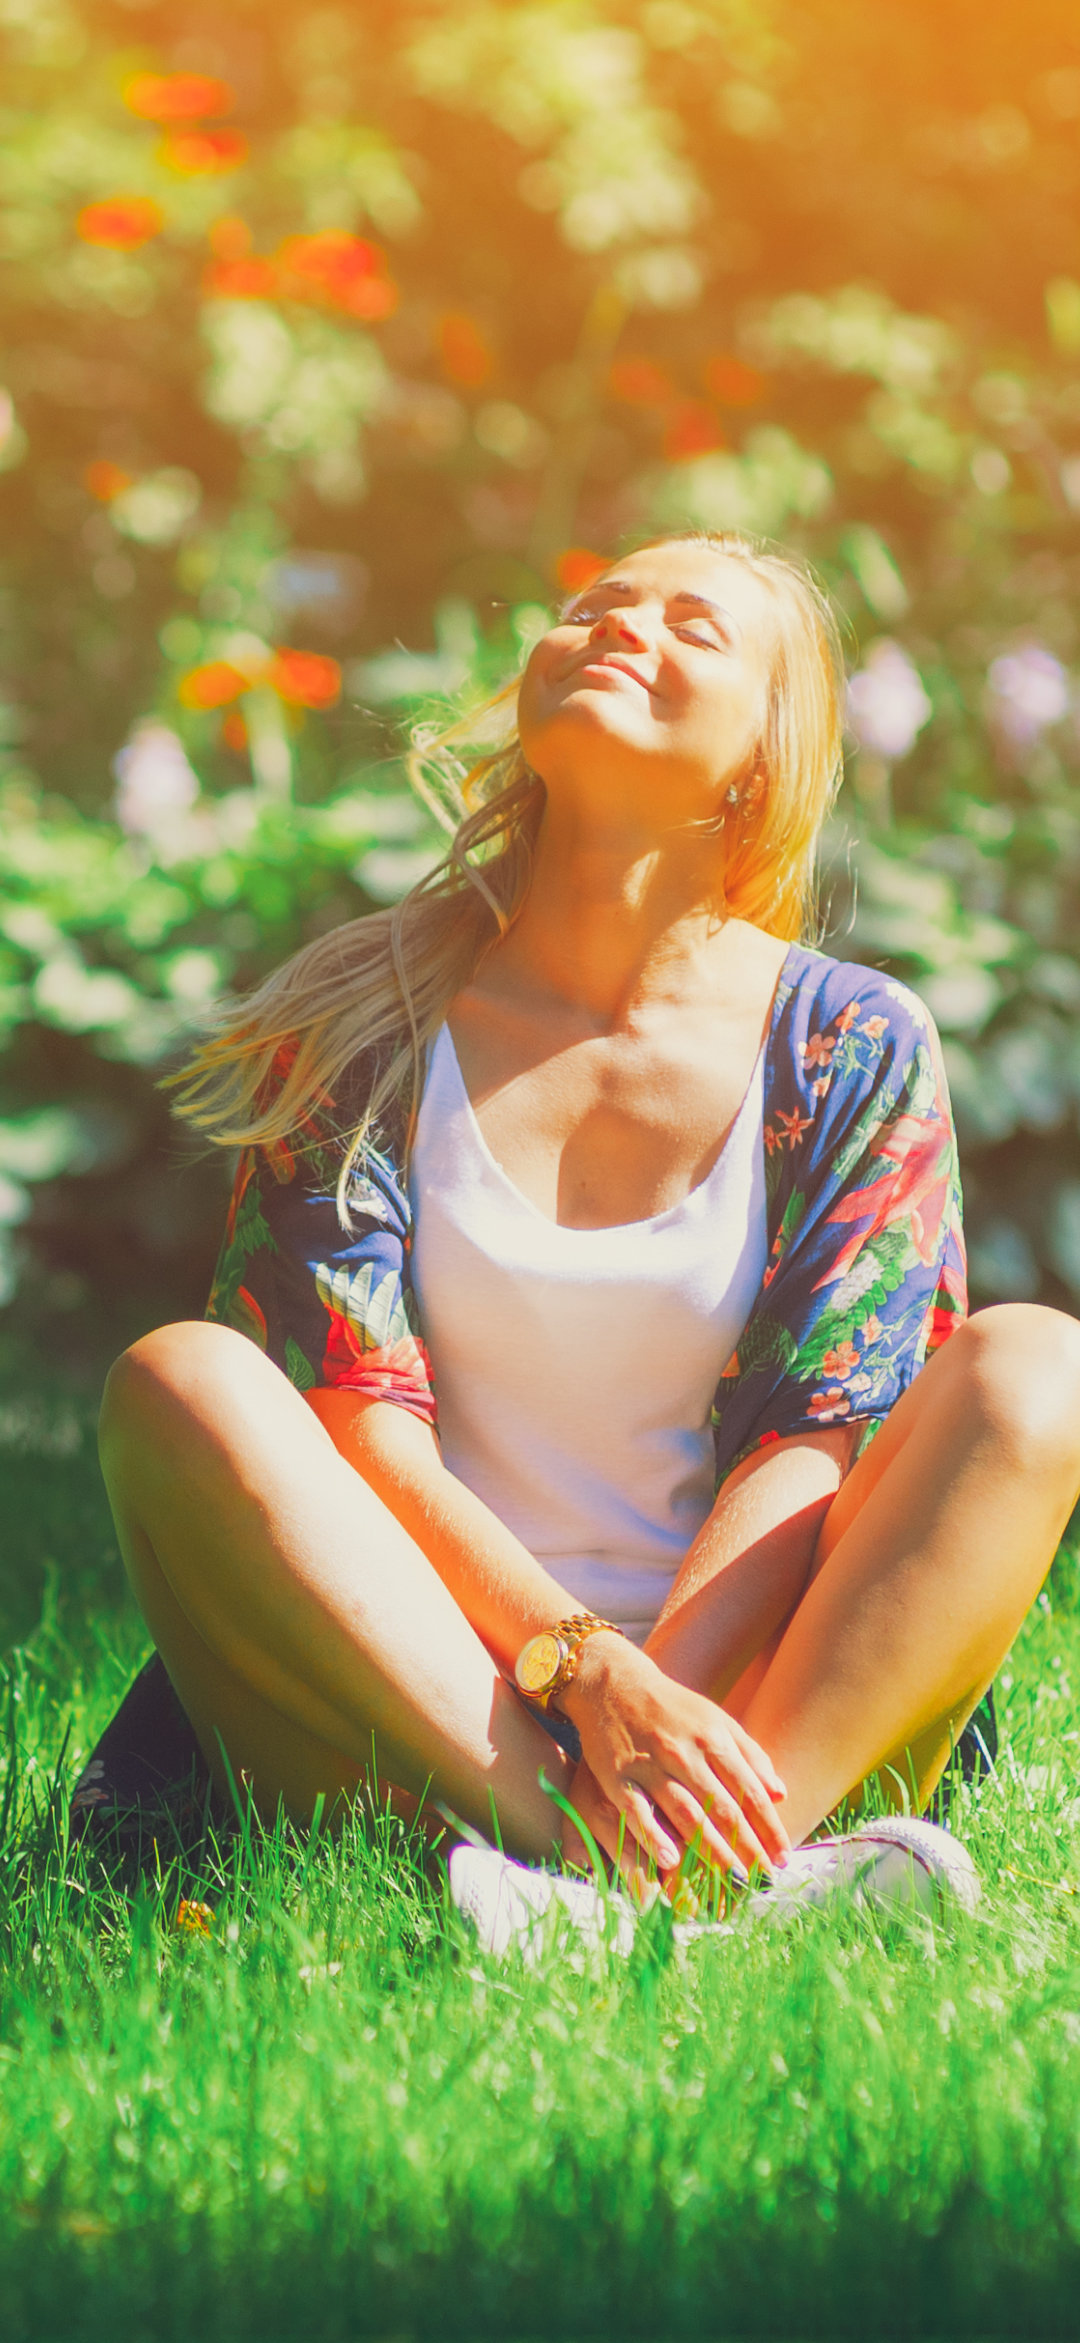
(865, 1274)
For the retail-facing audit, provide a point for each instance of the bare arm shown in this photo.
(751, 1563)
(670, 1764)
(505, 1593)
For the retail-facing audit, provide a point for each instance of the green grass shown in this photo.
(333, 2119)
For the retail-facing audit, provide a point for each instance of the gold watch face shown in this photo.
(539, 1664)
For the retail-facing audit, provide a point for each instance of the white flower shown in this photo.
(887, 705)
(155, 785)
(1029, 689)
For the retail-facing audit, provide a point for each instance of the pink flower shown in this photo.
(887, 705)
(818, 1050)
(825, 1405)
(871, 1330)
(875, 1027)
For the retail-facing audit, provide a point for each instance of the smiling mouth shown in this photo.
(612, 667)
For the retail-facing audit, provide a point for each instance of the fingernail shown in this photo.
(668, 1855)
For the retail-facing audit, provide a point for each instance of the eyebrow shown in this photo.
(625, 586)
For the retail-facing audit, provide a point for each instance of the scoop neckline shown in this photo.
(759, 1070)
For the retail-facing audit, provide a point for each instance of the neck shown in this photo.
(613, 912)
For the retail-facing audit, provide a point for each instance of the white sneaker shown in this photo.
(509, 1903)
(897, 1864)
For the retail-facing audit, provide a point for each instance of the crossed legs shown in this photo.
(300, 1622)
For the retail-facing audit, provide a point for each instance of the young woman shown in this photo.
(587, 1228)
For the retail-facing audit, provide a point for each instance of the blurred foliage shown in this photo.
(338, 338)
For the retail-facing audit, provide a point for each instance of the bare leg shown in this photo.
(930, 1555)
(297, 1619)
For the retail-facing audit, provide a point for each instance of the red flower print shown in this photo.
(818, 1050)
(795, 1127)
(916, 1189)
(841, 1361)
(400, 1371)
(825, 1405)
(248, 1318)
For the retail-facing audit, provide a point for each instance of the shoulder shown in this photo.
(840, 1026)
(850, 1049)
(832, 996)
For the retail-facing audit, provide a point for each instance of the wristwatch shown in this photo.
(549, 1662)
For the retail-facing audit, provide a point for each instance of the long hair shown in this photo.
(382, 984)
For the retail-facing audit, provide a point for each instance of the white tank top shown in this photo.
(575, 1368)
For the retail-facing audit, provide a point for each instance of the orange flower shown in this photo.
(465, 353)
(693, 431)
(234, 732)
(795, 1126)
(122, 222)
(841, 1361)
(733, 382)
(307, 679)
(818, 1051)
(641, 382)
(203, 154)
(577, 567)
(176, 97)
(871, 1330)
(875, 1027)
(846, 1020)
(193, 1919)
(339, 269)
(212, 685)
(105, 480)
(241, 280)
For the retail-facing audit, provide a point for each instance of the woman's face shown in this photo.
(650, 691)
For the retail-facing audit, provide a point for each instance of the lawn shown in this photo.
(330, 2118)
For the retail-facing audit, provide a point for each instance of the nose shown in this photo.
(617, 626)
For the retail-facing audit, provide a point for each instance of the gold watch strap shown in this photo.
(575, 1633)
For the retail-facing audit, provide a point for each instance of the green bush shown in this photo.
(336, 329)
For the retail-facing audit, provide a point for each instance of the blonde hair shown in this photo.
(382, 984)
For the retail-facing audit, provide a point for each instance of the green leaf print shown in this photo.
(765, 1342)
(865, 1132)
(298, 1366)
(377, 1311)
(882, 1267)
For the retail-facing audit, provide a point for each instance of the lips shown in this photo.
(620, 667)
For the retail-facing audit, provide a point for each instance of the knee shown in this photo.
(1019, 1370)
(167, 1373)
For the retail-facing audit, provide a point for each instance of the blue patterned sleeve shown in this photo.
(866, 1271)
(333, 1307)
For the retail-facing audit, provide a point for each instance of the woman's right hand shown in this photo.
(671, 1769)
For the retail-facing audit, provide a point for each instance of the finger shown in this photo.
(758, 1758)
(715, 1828)
(646, 1827)
(729, 1776)
(616, 1833)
